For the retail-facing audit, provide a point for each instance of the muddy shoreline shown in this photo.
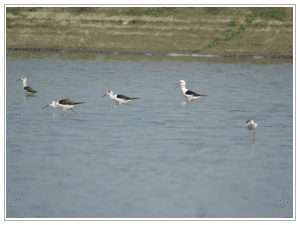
(110, 52)
(137, 56)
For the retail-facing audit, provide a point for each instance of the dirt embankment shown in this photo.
(264, 32)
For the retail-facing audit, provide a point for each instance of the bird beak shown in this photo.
(18, 80)
(45, 106)
(103, 96)
(177, 85)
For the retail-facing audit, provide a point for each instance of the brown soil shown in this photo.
(264, 32)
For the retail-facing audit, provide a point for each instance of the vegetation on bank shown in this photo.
(205, 30)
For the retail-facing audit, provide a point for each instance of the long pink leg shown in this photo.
(74, 111)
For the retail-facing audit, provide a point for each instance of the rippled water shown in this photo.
(158, 156)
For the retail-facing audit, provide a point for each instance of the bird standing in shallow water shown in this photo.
(64, 104)
(251, 125)
(120, 99)
(189, 95)
(28, 90)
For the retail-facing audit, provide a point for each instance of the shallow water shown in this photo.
(158, 156)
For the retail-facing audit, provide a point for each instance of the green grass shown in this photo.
(270, 12)
(152, 12)
(213, 10)
(8, 23)
(274, 14)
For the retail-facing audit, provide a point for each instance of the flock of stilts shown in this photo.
(66, 104)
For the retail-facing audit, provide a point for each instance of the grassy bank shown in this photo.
(222, 31)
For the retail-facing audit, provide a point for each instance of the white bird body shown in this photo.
(64, 104)
(251, 125)
(189, 95)
(28, 90)
(120, 99)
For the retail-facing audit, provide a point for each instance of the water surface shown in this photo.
(158, 156)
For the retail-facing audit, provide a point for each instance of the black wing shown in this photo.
(192, 93)
(29, 89)
(124, 97)
(68, 102)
